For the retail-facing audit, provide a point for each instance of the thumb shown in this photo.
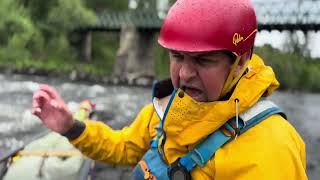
(54, 104)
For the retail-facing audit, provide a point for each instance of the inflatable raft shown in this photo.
(49, 156)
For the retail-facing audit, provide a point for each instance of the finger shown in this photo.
(50, 91)
(36, 111)
(54, 103)
(39, 98)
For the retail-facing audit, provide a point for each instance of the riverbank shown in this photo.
(76, 75)
(295, 72)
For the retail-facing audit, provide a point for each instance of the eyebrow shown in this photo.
(175, 52)
(203, 54)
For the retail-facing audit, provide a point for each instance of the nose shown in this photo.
(187, 70)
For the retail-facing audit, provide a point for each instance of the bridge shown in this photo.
(289, 15)
(143, 25)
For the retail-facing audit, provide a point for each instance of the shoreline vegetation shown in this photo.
(295, 72)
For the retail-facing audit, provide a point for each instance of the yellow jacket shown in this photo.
(270, 150)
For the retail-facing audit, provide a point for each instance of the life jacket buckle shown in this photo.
(229, 129)
(148, 175)
(178, 172)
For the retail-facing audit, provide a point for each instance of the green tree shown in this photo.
(68, 15)
(62, 19)
(293, 70)
(19, 38)
(101, 5)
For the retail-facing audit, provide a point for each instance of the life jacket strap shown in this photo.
(204, 151)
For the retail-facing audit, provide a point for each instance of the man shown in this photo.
(211, 120)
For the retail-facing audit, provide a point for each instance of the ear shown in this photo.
(244, 58)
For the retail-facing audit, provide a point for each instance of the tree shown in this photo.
(19, 38)
(102, 5)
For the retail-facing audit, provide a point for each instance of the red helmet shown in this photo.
(209, 25)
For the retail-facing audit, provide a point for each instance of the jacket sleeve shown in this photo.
(127, 146)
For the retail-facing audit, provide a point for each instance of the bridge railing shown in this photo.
(286, 15)
(307, 12)
(113, 21)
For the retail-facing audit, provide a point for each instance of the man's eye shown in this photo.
(177, 56)
(203, 61)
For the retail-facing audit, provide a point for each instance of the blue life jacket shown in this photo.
(152, 166)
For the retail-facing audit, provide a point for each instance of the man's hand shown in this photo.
(51, 109)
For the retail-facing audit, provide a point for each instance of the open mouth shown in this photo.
(195, 93)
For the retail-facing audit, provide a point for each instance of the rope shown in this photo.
(58, 153)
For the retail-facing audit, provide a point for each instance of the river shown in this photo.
(120, 104)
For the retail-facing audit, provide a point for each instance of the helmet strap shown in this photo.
(231, 82)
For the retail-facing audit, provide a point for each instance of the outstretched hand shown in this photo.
(51, 109)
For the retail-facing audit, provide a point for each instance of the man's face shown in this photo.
(200, 74)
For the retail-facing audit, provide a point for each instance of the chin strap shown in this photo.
(230, 82)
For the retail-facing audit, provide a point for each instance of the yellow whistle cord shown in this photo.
(230, 82)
